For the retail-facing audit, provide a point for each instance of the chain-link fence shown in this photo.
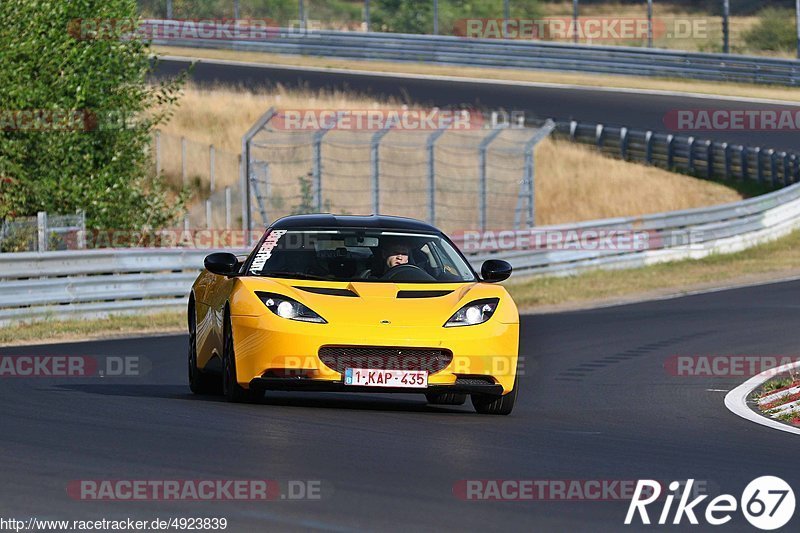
(457, 179)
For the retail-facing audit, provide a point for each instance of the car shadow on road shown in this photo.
(355, 401)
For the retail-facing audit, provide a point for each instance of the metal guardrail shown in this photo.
(60, 285)
(449, 50)
(689, 154)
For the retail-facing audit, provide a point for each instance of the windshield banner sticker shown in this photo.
(265, 252)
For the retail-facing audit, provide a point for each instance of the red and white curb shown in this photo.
(736, 400)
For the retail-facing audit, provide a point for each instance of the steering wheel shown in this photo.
(408, 272)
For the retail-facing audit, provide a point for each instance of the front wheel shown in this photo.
(199, 381)
(496, 405)
(231, 389)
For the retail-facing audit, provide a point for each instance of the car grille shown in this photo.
(340, 358)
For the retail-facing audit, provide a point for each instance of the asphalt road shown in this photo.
(637, 111)
(596, 403)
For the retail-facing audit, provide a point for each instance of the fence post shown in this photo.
(650, 23)
(227, 208)
(82, 230)
(169, 9)
(482, 185)
(317, 164)
(726, 26)
(690, 158)
(236, 9)
(183, 160)
(709, 160)
(598, 136)
(527, 190)
(670, 150)
(375, 165)
(745, 162)
(648, 140)
(209, 223)
(244, 169)
(431, 146)
(623, 143)
(41, 223)
(366, 14)
(158, 153)
(211, 164)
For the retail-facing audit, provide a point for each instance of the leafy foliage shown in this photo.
(54, 63)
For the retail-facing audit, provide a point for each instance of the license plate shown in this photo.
(368, 377)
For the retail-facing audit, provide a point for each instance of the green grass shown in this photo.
(66, 330)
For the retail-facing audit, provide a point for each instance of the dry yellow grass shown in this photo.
(573, 182)
(588, 80)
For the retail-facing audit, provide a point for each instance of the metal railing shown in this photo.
(449, 50)
(689, 154)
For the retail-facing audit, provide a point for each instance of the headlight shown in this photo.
(476, 312)
(285, 307)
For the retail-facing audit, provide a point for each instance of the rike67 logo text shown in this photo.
(767, 503)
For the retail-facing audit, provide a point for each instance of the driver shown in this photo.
(395, 255)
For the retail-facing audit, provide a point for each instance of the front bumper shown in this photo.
(315, 385)
(267, 346)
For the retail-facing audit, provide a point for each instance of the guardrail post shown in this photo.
(745, 162)
(623, 143)
(227, 208)
(726, 153)
(670, 150)
(41, 225)
(709, 160)
(375, 164)
(183, 160)
(482, 185)
(430, 144)
(573, 130)
(598, 136)
(690, 158)
(759, 165)
(648, 142)
(786, 169)
(773, 167)
(211, 164)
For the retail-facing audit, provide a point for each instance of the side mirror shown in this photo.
(222, 264)
(495, 270)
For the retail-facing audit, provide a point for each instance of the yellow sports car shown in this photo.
(354, 303)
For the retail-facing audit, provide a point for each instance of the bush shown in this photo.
(102, 163)
(775, 31)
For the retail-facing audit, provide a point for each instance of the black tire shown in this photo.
(199, 381)
(495, 405)
(231, 389)
(446, 398)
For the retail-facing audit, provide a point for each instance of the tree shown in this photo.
(77, 115)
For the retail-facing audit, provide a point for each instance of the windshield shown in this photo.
(359, 255)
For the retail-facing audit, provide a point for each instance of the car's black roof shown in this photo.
(382, 222)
